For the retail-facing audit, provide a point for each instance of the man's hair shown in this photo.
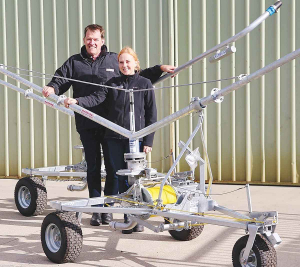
(95, 27)
(130, 51)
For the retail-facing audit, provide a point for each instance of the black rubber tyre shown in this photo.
(185, 235)
(61, 237)
(262, 253)
(30, 196)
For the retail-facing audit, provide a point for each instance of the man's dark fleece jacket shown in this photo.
(82, 67)
(118, 104)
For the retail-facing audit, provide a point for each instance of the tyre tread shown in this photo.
(38, 196)
(267, 252)
(73, 234)
(41, 201)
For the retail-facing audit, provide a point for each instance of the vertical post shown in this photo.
(5, 100)
(18, 94)
(176, 90)
(171, 61)
(120, 24)
(31, 111)
(293, 96)
(147, 41)
(278, 107)
(219, 106)
(57, 141)
(69, 91)
(262, 97)
(161, 92)
(249, 198)
(233, 110)
(133, 143)
(133, 24)
(190, 55)
(106, 24)
(247, 100)
(93, 12)
(203, 74)
(45, 150)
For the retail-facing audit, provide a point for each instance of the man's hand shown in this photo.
(69, 101)
(48, 90)
(169, 69)
(147, 149)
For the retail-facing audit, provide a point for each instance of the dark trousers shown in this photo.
(91, 140)
(114, 152)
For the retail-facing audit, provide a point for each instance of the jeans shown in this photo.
(115, 149)
(91, 140)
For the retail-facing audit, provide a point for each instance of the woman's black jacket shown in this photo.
(117, 102)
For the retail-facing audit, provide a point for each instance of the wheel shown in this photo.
(262, 253)
(184, 234)
(30, 196)
(61, 237)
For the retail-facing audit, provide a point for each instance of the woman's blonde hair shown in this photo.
(130, 51)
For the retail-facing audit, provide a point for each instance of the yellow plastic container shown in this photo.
(150, 194)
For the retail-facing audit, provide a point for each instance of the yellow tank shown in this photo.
(150, 194)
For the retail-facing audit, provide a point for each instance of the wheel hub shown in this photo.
(53, 237)
(251, 262)
(24, 197)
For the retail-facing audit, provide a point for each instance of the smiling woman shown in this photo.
(128, 61)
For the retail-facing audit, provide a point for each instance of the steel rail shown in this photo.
(269, 12)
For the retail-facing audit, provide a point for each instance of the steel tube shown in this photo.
(178, 158)
(194, 106)
(225, 91)
(36, 97)
(33, 86)
(234, 38)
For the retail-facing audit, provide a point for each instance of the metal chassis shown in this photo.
(76, 170)
(253, 223)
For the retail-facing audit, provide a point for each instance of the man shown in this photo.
(94, 64)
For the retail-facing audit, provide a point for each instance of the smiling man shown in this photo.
(96, 65)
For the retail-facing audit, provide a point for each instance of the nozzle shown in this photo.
(277, 5)
(274, 8)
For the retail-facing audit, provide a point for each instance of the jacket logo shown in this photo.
(111, 70)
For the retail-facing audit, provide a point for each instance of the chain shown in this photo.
(66, 180)
(161, 159)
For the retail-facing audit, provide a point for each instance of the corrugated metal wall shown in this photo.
(252, 136)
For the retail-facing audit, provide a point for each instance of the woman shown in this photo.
(117, 102)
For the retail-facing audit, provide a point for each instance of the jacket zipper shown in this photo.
(126, 82)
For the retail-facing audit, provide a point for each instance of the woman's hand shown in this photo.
(147, 149)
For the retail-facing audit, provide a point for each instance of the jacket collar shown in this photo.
(130, 77)
(84, 54)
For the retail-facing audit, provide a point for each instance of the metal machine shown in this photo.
(185, 204)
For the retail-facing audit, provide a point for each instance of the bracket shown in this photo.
(61, 99)
(216, 98)
(27, 92)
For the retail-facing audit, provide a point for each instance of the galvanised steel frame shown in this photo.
(192, 200)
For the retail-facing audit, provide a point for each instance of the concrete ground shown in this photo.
(20, 243)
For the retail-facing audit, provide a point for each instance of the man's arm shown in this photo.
(155, 72)
(59, 85)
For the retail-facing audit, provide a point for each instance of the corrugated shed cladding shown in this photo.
(253, 135)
